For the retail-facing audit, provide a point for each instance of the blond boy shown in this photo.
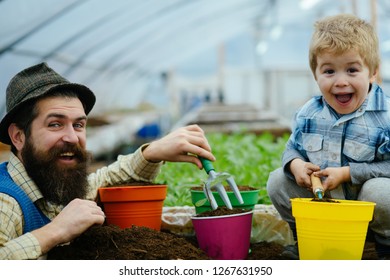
(343, 135)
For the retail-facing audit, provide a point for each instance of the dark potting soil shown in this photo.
(227, 188)
(135, 183)
(109, 242)
(325, 199)
(222, 211)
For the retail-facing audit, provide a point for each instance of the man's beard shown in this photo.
(58, 184)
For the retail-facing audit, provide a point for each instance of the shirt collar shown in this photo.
(376, 99)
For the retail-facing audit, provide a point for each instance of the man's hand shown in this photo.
(72, 221)
(182, 145)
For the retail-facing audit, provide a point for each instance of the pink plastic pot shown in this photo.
(224, 237)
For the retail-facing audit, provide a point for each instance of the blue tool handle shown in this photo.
(207, 165)
(319, 193)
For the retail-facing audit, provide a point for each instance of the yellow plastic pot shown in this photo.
(331, 230)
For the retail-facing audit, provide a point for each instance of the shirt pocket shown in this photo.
(358, 152)
(312, 144)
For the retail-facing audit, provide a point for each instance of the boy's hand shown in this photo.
(334, 176)
(302, 171)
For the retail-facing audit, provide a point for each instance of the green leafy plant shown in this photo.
(248, 157)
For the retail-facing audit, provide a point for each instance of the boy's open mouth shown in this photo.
(344, 98)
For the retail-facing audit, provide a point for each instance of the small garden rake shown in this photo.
(215, 180)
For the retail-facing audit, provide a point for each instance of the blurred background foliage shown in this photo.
(248, 157)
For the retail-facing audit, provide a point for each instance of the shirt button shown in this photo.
(309, 148)
(334, 156)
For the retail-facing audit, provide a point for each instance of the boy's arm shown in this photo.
(361, 172)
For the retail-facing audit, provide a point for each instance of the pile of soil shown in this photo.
(109, 242)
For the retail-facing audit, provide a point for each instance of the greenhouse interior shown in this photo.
(237, 68)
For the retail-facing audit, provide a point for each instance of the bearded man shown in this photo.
(47, 197)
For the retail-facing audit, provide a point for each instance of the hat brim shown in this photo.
(85, 95)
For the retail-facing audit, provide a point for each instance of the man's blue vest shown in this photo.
(33, 217)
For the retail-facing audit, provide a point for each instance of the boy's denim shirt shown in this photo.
(357, 139)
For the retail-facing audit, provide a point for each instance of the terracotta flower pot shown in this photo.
(225, 237)
(126, 206)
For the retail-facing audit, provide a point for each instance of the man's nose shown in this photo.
(70, 135)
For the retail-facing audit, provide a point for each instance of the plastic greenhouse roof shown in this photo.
(123, 49)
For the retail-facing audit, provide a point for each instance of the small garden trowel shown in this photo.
(215, 180)
(317, 187)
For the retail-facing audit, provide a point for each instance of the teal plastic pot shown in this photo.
(201, 204)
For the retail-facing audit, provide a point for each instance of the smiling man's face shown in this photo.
(344, 80)
(54, 155)
(60, 121)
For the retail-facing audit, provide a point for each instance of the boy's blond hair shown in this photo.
(341, 33)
